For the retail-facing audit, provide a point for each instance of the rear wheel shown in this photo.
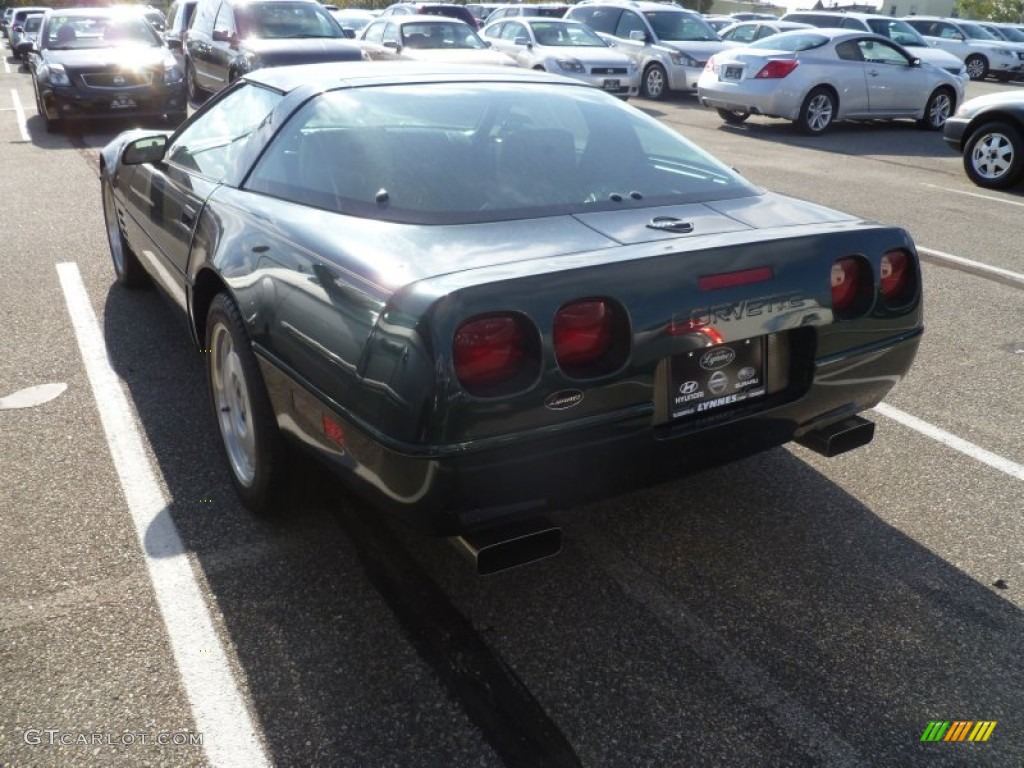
(977, 67)
(938, 109)
(733, 116)
(994, 155)
(127, 267)
(196, 95)
(818, 111)
(253, 444)
(655, 82)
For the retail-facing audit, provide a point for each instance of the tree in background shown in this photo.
(992, 10)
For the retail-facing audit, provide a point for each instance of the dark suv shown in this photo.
(228, 38)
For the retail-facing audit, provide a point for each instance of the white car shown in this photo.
(982, 52)
(817, 76)
(435, 39)
(746, 32)
(565, 47)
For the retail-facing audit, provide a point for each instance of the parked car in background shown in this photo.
(1007, 32)
(981, 52)
(155, 17)
(565, 47)
(228, 38)
(546, 10)
(179, 17)
(25, 35)
(352, 20)
(477, 294)
(108, 63)
(5, 19)
(817, 76)
(17, 20)
(428, 38)
(481, 11)
(718, 22)
(743, 32)
(669, 44)
(896, 30)
(989, 131)
(451, 10)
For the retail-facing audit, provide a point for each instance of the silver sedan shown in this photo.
(815, 77)
(565, 47)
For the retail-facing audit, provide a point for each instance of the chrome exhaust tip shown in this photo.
(843, 436)
(497, 549)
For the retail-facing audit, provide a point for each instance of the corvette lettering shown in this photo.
(740, 310)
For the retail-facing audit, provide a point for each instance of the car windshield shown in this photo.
(790, 41)
(568, 35)
(440, 34)
(898, 31)
(477, 152)
(974, 32)
(32, 23)
(72, 33)
(668, 25)
(274, 21)
(1011, 34)
(355, 21)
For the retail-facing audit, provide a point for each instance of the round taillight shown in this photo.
(851, 284)
(896, 277)
(495, 354)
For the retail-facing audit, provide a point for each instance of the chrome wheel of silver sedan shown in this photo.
(937, 111)
(244, 414)
(818, 111)
(655, 84)
(994, 155)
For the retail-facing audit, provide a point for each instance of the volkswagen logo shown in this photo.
(714, 359)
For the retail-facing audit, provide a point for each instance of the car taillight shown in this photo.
(493, 354)
(852, 283)
(897, 277)
(776, 69)
(591, 337)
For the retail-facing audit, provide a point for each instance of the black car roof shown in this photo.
(332, 75)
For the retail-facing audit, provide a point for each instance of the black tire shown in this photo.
(977, 66)
(994, 155)
(654, 85)
(253, 446)
(51, 126)
(733, 116)
(817, 113)
(196, 95)
(941, 104)
(176, 118)
(127, 268)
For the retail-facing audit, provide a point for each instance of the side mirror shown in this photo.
(349, 33)
(638, 35)
(223, 36)
(148, 149)
(393, 45)
(174, 44)
(522, 40)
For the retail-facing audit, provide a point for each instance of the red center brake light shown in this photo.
(489, 350)
(776, 69)
(583, 332)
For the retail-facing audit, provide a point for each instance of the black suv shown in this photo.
(228, 38)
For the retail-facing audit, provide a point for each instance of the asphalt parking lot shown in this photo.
(785, 610)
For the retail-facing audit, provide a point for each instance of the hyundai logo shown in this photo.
(688, 388)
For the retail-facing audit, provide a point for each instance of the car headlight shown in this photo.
(570, 65)
(172, 74)
(57, 75)
(1003, 52)
(681, 59)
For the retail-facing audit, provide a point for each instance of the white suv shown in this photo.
(979, 49)
(668, 44)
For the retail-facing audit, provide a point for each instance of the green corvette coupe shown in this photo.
(478, 293)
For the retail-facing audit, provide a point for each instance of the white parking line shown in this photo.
(7, 66)
(19, 112)
(975, 266)
(990, 198)
(229, 737)
(1011, 468)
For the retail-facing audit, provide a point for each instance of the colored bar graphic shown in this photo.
(958, 730)
(982, 730)
(935, 731)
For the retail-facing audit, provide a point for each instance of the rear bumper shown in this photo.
(449, 490)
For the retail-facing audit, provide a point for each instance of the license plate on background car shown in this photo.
(733, 73)
(611, 85)
(122, 102)
(711, 378)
